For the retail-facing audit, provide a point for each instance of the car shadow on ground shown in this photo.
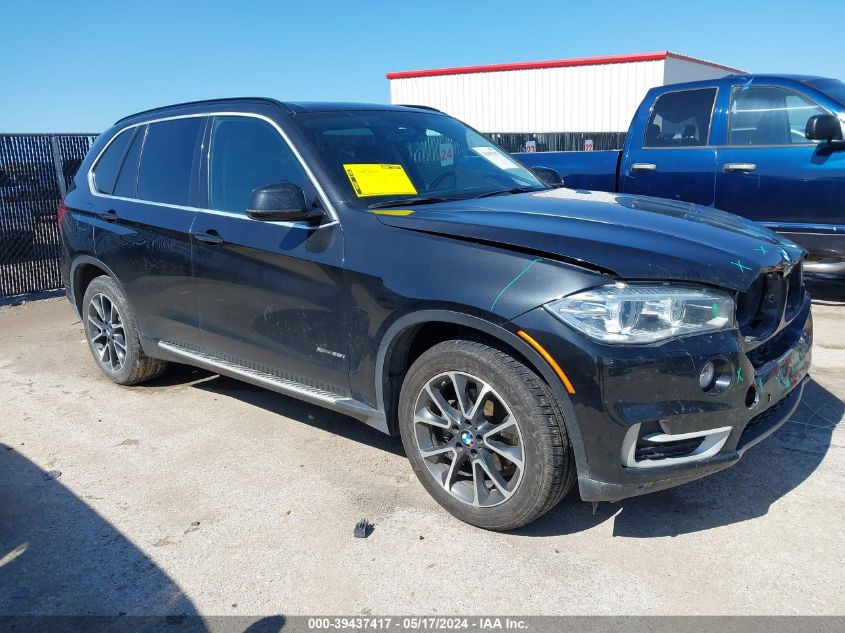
(58, 556)
(745, 491)
(298, 410)
(64, 568)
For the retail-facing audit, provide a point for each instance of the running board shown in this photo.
(336, 402)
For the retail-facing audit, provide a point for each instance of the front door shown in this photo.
(675, 159)
(769, 171)
(271, 294)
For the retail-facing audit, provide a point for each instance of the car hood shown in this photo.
(631, 237)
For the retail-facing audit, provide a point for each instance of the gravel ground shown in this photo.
(200, 494)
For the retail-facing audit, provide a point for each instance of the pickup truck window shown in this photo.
(681, 119)
(245, 154)
(421, 155)
(769, 115)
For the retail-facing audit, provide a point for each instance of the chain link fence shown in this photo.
(35, 172)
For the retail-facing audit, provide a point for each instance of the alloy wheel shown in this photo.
(469, 439)
(105, 331)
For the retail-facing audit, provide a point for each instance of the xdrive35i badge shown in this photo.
(323, 350)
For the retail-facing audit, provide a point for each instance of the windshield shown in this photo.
(380, 156)
(833, 88)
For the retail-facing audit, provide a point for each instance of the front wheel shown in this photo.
(484, 435)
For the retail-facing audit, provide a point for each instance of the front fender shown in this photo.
(506, 334)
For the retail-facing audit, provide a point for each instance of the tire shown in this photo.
(103, 329)
(521, 417)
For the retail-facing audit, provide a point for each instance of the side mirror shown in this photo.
(279, 201)
(823, 127)
(548, 176)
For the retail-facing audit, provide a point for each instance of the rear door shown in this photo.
(145, 187)
(674, 159)
(768, 170)
(271, 294)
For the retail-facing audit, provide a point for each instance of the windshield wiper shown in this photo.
(504, 192)
(430, 199)
(409, 201)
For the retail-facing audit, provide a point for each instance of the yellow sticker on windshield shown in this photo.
(378, 179)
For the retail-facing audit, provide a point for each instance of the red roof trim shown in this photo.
(559, 63)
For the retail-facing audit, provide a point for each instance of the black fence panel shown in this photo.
(558, 141)
(35, 171)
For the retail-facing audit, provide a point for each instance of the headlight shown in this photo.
(644, 313)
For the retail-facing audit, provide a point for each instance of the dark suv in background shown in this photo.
(392, 264)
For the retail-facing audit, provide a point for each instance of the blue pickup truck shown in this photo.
(767, 147)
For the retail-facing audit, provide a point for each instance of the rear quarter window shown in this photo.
(107, 167)
(127, 179)
(167, 161)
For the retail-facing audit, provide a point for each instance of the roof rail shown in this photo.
(421, 107)
(203, 102)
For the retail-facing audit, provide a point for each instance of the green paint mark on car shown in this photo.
(513, 281)
(742, 267)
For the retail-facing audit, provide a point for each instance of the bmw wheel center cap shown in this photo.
(467, 438)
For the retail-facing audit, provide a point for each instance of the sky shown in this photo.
(78, 66)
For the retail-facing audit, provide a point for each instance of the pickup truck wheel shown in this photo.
(112, 334)
(484, 435)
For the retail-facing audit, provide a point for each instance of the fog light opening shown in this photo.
(716, 376)
(752, 397)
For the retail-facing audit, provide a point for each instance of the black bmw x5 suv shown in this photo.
(392, 264)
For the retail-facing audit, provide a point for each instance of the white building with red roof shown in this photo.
(572, 99)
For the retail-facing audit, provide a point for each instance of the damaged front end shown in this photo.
(654, 415)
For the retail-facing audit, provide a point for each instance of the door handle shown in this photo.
(108, 216)
(643, 167)
(728, 167)
(211, 236)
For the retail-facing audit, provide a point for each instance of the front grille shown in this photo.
(771, 298)
(772, 348)
(647, 450)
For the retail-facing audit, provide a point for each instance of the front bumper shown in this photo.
(621, 390)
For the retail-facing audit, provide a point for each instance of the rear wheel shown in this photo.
(112, 334)
(484, 435)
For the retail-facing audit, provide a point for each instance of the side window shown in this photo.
(127, 179)
(767, 115)
(681, 119)
(167, 159)
(105, 173)
(247, 153)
